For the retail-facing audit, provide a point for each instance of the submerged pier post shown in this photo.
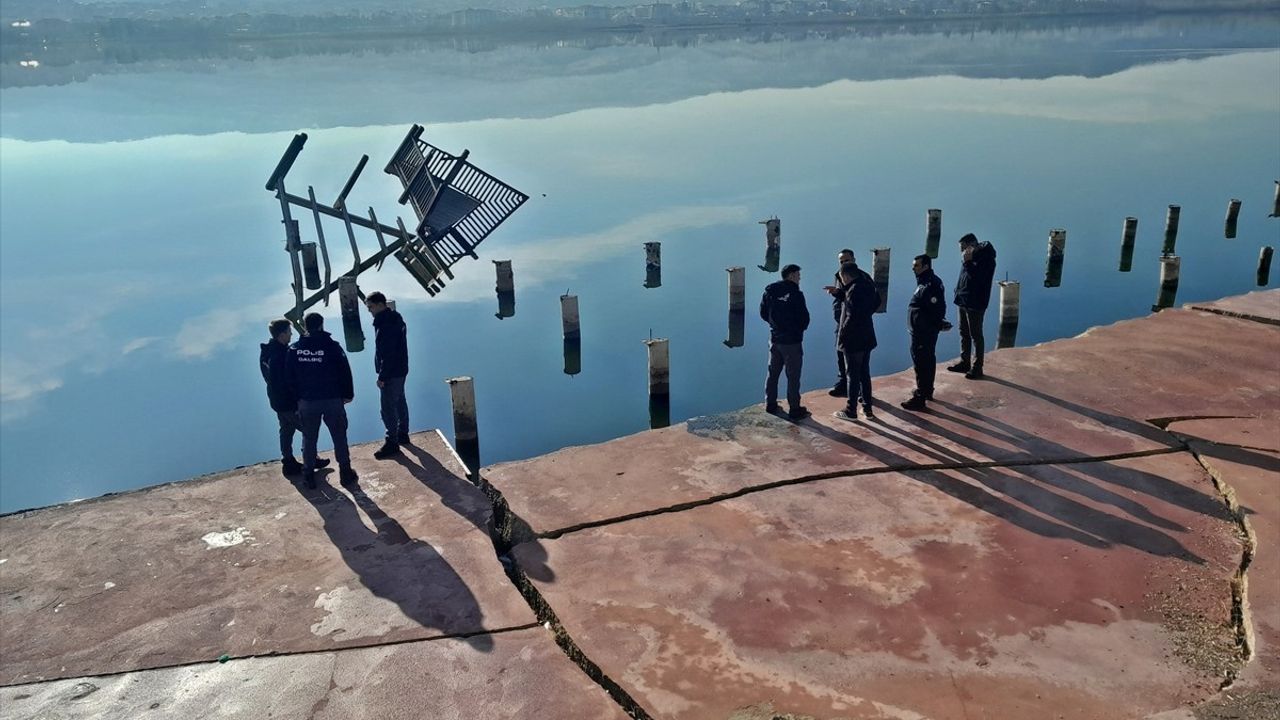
(569, 317)
(933, 232)
(659, 367)
(653, 264)
(772, 244)
(349, 302)
(1126, 243)
(505, 286)
(311, 266)
(1233, 216)
(1275, 204)
(737, 329)
(572, 356)
(1170, 265)
(1010, 292)
(1171, 229)
(1057, 256)
(466, 432)
(880, 275)
(1264, 266)
(737, 288)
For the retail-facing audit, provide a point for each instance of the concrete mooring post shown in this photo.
(659, 367)
(1275, 204)
(1264, 266)
(349, 302)
(737, 288)
(653, 264)
(506, 280)
(311, 266)
(1010, 292)
(572, 356)
(1170, 265)
(1233, 216)
(772, 244)
(569, 317)
(1171, 229)
(933, 232)
(506, 305)
(737, 329)
(1057, 256)
(466, 434)
(880, 275)
(1126, 243)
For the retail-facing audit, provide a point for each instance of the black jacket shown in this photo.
(318, 369)
(783, 307)
(928, 306)
(857, 332)
(273, 361)
(973, 288)
(391, 346)
(837, 299)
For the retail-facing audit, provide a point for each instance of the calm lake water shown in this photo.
(141, 258)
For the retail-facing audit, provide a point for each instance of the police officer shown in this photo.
(320, 377)
(841, 388)
(273, 361)
(926, 317)
(391, 361)
(856, 337)
(783, 307)
(973, 294)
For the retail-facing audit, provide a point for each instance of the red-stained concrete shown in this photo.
(1260, 305)
(522, 676)
(132, 581)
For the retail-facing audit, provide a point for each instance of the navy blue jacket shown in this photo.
(783, 307)
(274, 363)
(391, 345)
(859, 302)
(318, 369)
(973, 288)
(928, 306)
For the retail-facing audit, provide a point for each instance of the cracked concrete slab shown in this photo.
(1071, 591)
(244, 563)
(522, 675)
(1259, 306)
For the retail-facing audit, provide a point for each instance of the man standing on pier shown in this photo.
(391, 362)
(926, 317)
(836, 289)
(856, 337)
(320, 378)
(783, 307)
(273, 361)
(973, 294)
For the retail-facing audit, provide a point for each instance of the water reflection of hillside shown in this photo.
(223, 84)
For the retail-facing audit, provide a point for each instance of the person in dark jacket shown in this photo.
(320, 377)
(841, 388)
(783, 307)
(856, 337)
(973, 294)
(273, 361)
(926, 317)
(391, 362)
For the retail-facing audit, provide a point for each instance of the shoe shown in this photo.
(348, 476)
(322, 463)
(772, 408)
(928, 395)
(916, 403)
(309, 480)
(403, 439)
(845, 415)
(867, 413)
(388, 449)
(975, 373)
(839, 391)
(960, 367)
(799, 413)
(289, 467)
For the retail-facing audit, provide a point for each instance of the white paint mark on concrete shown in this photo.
(280, 515)
(226, 539)
(354, 614)
(108, 585)
(3, 560)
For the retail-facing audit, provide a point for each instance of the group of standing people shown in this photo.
(854, 301)
(310, 383)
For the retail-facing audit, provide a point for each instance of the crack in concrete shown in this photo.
(292, 653)
(1238, 315)
(1164, 422)
(523, 533)
(500, 532)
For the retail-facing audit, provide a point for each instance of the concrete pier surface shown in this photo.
(1092, 532)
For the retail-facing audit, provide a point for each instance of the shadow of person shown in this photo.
(396, 567)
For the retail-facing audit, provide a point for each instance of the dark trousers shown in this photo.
(971, 334)
(859, 381)
(334, 415)
(924, 357)
(395, 410)
(842, 372)
(790, 357)
(289, 424)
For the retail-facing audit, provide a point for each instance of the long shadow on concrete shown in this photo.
(393, 566)
(1060, 517)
